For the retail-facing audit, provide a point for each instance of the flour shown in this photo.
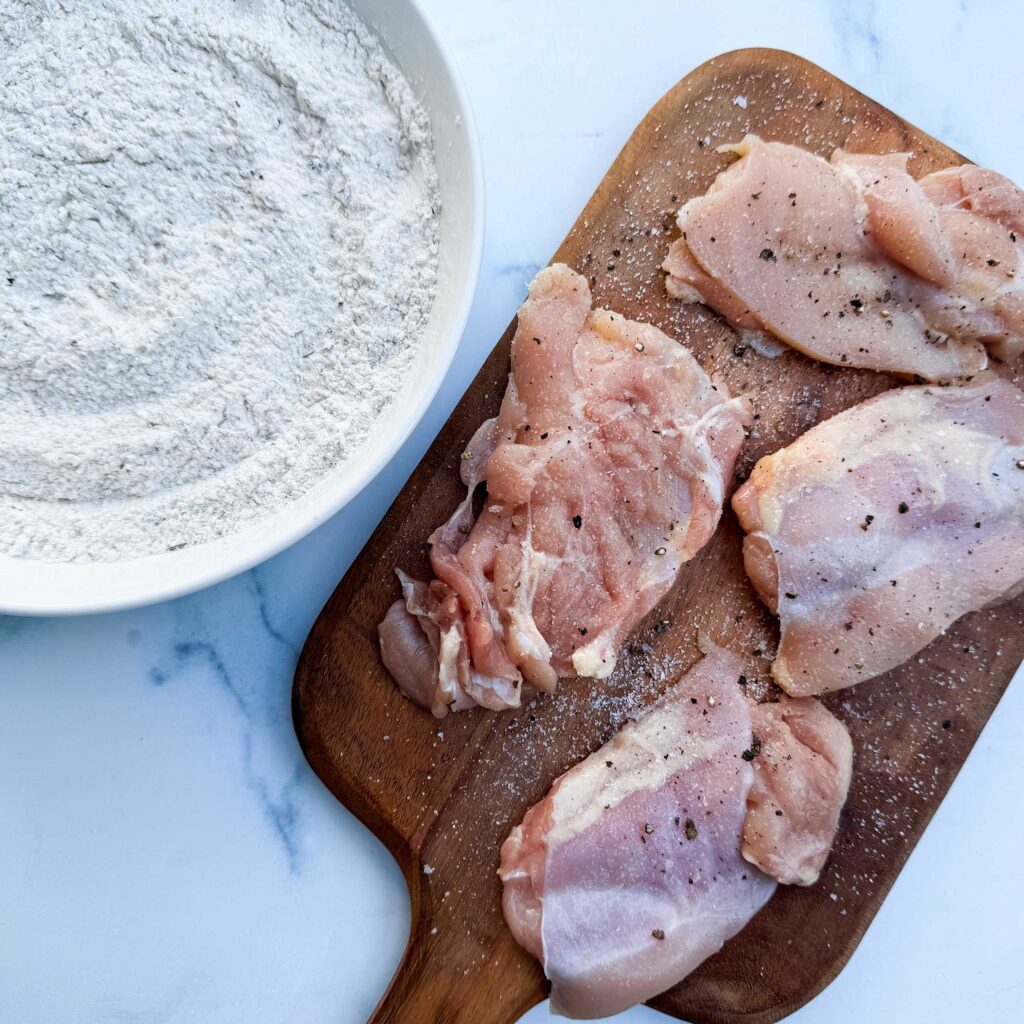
(218, 247)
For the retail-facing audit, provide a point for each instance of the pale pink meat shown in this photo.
(853, 262)
(628, 874)
(902, 219)
(605, 471)
(957, 229)
(409, 650)
(982, 213)
(802, 771)
(423, 646)
(636, 866)
(875, 531)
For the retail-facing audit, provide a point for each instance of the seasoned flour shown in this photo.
(218, 245)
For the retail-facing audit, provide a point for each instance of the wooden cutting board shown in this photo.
(442, 795)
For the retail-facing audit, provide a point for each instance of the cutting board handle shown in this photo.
(421, 991)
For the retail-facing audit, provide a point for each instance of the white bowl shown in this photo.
(29, 587)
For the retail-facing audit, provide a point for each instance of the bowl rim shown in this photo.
(265, 546)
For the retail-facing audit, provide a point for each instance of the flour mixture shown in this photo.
(218, 245)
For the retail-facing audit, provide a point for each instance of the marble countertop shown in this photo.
(167, 857)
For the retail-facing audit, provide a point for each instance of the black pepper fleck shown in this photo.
(753, 750)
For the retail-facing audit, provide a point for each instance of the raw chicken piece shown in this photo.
(803, 760)
(855, 263)
(874, 532)
(982, 213)
(901, 218)
(958, 230)
(628, 874)
(605, 471)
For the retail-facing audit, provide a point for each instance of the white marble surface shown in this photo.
(166, 857)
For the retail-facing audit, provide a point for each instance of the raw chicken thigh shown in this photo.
(853, 262)
(605, 471)
(629, 873)
(874, 532)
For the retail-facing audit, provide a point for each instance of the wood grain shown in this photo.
(443, 795)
